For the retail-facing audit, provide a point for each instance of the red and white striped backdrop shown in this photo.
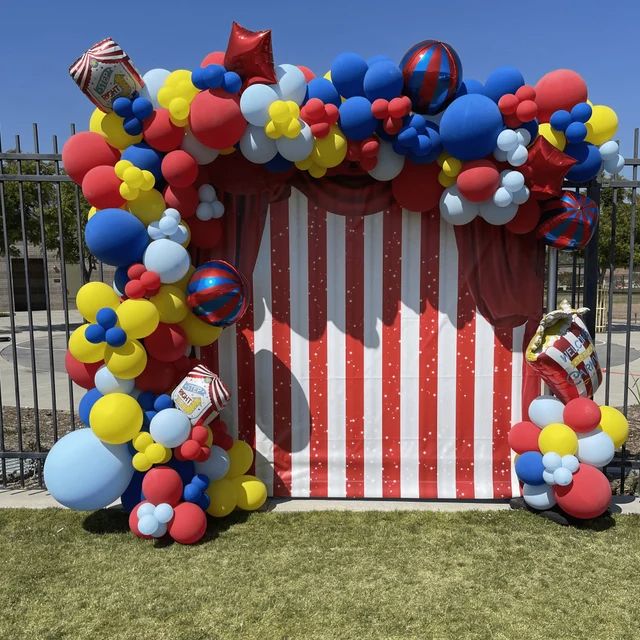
(362, 367)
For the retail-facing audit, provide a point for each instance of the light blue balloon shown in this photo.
(545, 410)
(148, 525)
(83, 473)
(562, 476)
(609, 150)
(547, 476)
(570, 462)
(168, 259)
(163, 512)
(512, 181)
(539, 496)
(160, 531)
(255, 102)
(170, 427)
(106, 382)
(595, 447)
(153, 81)
(552, 461)
(145, 509)
(216, 465)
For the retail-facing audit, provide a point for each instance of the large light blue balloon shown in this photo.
(539, 497)
(170, 427)
(83, 473)
(216, 465)
(168, 259)
(153, 81)
(545, 410)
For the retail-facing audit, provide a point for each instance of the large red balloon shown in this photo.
(80, 372)
(216, 120)
(416, 187)
(167, 343)
(162, 484)
(179, 169)
(133, 521)
(189, 523)
(582, 415)
(526, 219)
(206, 234)
(101, 188)
(157, 376)
(215, 57)
(84, 151)
(559, 89)
(478, 180)
(185, 200)
(588, 495)
(524, 437)
(160, 133)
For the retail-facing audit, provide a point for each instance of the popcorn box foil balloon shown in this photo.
(563, 354)
(105, 72)
(201, 395)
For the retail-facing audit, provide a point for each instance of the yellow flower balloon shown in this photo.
(110, 125)
(83, 350)
(93, 296)
(138, 318)
(127, 361)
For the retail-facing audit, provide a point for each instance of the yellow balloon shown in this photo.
(140, 462)
(110, 125)
(240, 459)
(156, 452)
(558, 438)
(199, 334)
(127, 361)
(170, 303)
(602, 125)
(138, 318)
(83, 350)
(251, 493)
(142, 441)
(331, 150)
(615, 425)
(116, 418)
(92, 212)
(183, 282)
(148, 207)
(222, 494)
(445, 180)
(556, 138)
(451, 167)
(93, 296)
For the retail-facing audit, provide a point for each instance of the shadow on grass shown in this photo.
(559, 517)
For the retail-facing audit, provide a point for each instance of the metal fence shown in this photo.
(45, 261)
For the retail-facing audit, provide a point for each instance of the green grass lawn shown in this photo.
(318, 575)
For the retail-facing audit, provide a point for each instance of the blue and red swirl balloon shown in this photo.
(432, 74)
(217, 293)
(568, 221)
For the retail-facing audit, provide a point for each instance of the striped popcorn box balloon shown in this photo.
(201, 395)
(105, 72)
(563, 354)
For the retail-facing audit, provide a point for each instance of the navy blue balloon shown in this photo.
(133, 493)
(120, 279)
(143, 156)
(132, 126)
(576, 132)
(502, 80)
(163, 401)
(347, 74)
(116, 237)
(470, 126)
(560, 120)
(146, 400)
(356, 120)
(531, 127)
(589, 161)
(529, 468)
(87, 401)
(383, 80)
(324, 90)
(278, 164)
(185, 469)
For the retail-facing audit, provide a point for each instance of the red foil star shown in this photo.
(249, 54)
(545, 169)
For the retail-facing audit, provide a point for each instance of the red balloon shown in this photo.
(308, 74)
(527, 110)
(206, 234)
(416, 187)
(162, 484)
(216, 120)
(84, 151)
(160, 133)
(158, 377)
(249, 54)
(179, 169)
(167, 343)
(582, 415)
(588, 495)
(182, 366)
(185, 200)
(478, 180)
(215, 57)
(523, 437)
(560, 89)
(133, 521)
(101, 188)
(189, 523)
(80, 372)
(527, 218)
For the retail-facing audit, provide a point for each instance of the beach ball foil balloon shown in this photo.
(432, 74)
(569, 221)
(217, 293)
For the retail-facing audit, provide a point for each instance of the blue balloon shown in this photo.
(529, 468)
(324, 90)
(107, 318)
(95, 334)
(278, 164)
(383, 80)
(143, 156)
(356, 120)
(231, 82)
(532, 128)
(115, 337)
(116, 237)
(581, 112)
(347, 74)
(120, 279)
(82, 472)
(502, 80)
(469, 85)
(123, 107)
(146, 400)
(142, 108)
(133, 493)
(576, 132)
(470, 126)
(132, 126)
(87, 401)
(379, 58)
(163, 401)
(589, 161)
(560, 120)
(185, 469)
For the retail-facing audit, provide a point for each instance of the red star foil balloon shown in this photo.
(249, 54)
(545, 169)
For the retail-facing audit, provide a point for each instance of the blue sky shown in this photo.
(39, 40)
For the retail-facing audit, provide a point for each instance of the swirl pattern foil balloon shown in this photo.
(569, 221)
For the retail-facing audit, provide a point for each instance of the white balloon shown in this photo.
(524, 136)
(455, 209)
(620, 164)
(545, 410)
(292, 85)
(207, 193)
(494, 214)
(200, 152)
(502, 197)
(256, 146)
(609, 150)
(520, 197)
(389, 163)
(595, 447)
(153, 81)
(539, 496)
(518, 156)
(168, 259)
(106, 382)
(205, 211)
(507, 140)
(216, 465)
(255, 101)
(298, 148)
